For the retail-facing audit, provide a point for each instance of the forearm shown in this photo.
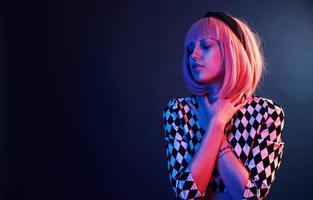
(203, 162)
(233, 173)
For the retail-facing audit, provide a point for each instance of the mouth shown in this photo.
(196, 66)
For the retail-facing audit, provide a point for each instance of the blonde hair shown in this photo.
(243, 67)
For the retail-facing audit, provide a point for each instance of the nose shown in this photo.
(195, 55)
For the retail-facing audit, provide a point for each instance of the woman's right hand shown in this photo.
(222, 110)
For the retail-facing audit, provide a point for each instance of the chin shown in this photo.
(204, 80)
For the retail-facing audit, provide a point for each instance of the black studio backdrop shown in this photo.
(84, 84)
(58, 144)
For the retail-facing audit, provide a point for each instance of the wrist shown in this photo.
(224, 149)
(224, 142)
(217, 122)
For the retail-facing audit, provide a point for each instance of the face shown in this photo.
(206, 62)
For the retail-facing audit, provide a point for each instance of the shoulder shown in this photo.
(176, 104)
(255, 104)
(172, 117)
(171, 106)
(272, 108)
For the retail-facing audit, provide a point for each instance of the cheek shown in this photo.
(213, 61)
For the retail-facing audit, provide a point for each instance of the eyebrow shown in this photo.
(204, 40)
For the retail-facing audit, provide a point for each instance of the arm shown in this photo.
(187, 184)
(177, 155)
(203, 162)
(263, 161)
(233, 173)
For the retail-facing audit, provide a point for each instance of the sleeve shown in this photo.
(178, 155)
(266, 153)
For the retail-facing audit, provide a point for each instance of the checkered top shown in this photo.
(254, 133)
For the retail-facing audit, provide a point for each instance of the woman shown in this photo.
(223, 142)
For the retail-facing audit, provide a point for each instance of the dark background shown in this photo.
(83, 85)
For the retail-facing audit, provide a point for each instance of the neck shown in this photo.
(214, 88)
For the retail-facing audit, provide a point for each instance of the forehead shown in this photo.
(200, 30)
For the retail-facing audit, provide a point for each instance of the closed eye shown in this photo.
(190, 47)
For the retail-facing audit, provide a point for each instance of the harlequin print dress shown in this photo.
(254, 132)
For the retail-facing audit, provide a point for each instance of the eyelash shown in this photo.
(205, 47)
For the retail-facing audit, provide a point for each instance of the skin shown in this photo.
(207, 53)
(213, 114)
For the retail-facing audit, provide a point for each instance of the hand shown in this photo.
(222, 110)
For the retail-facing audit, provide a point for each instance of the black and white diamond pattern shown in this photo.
(254, 132)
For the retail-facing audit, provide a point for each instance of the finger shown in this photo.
(237, 98)
(239, 105)
(234, 100)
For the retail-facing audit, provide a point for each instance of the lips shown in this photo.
(194, 66)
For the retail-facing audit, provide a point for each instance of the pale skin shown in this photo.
(213, 114)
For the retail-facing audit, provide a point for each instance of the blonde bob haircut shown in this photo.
(243, 67)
